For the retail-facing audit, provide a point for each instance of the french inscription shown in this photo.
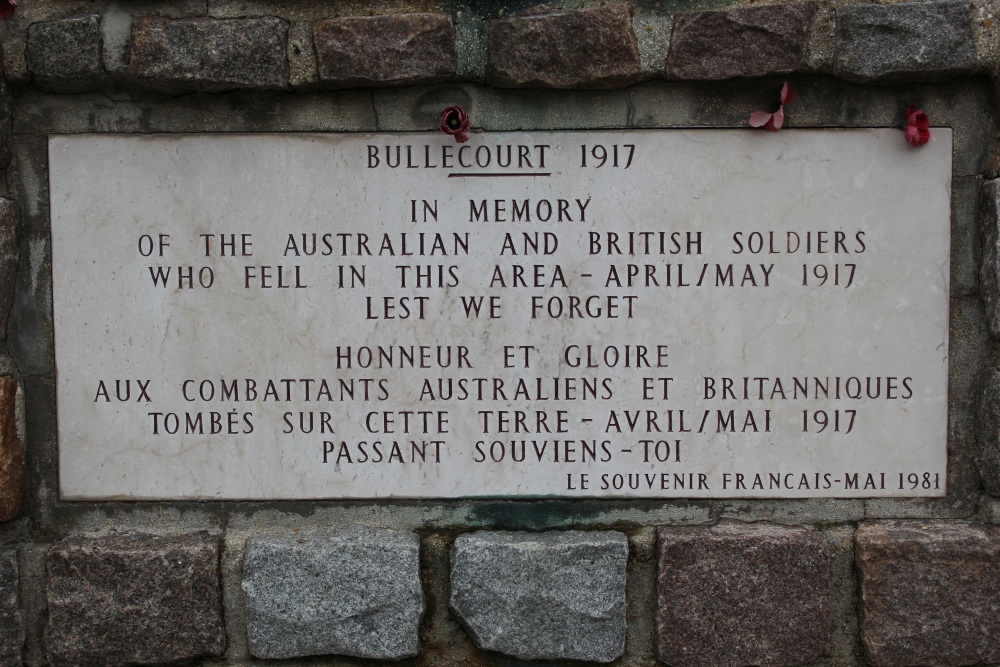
(704, 313)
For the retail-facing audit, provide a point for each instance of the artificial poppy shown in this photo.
(455, 121)
(774, 119)
(917, 131)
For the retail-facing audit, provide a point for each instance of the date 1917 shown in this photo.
(598, 156)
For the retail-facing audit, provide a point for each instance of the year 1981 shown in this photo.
(912, 481)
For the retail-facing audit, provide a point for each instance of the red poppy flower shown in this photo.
(7, 8)
(918, 126)
(774, 119)
(455, 121)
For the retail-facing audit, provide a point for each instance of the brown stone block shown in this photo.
(587, 48)
(930, 593)
(133, 599)
(385, 50)
(742, 594)
(12, 470)
(210, 54)
(748, 41)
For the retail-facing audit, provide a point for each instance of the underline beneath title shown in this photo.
(493, 174)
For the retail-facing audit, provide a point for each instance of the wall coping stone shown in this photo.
(65, 55)
(908, 41)
(544, 47)
(394, 49)
(741, 42)
(207, 54)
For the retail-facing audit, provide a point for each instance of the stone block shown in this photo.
(210, 54)
(547, 596)
(394, 49)
(133, 599)
(747, 41)
(908, 41)
(11, 620)
(930, 593)
(65, 55)
(353, 593)
(742, 594)
(544, 47)
(989, 266)
(12, 466)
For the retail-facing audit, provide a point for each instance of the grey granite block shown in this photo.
(547, 596)
(354, 593)
(210, 54)
(65, 55)
(904, 42)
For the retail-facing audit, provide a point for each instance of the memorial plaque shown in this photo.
(655, 313)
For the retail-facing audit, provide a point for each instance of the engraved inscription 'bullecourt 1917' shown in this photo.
(700, 313)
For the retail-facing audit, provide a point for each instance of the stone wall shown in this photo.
(486, 582)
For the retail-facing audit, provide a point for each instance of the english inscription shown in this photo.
(655, 313)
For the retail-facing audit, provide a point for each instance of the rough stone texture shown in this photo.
(587, 48)
(210, 54)
(966, 250)
(989, 267)
(6, 119)
(11, 621)
(302, 70)
(133, 599)
(29, 329)
(930, 593)
(385, 50)
(968, 341)
(904, 42)
(355, 593)
(742, 594)
(10, 224)
(988, 432)
(116, 33)
(748, 41)
(12, 465)
(546, 596)
(65, 55)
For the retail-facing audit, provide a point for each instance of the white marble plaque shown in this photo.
(654, 313)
